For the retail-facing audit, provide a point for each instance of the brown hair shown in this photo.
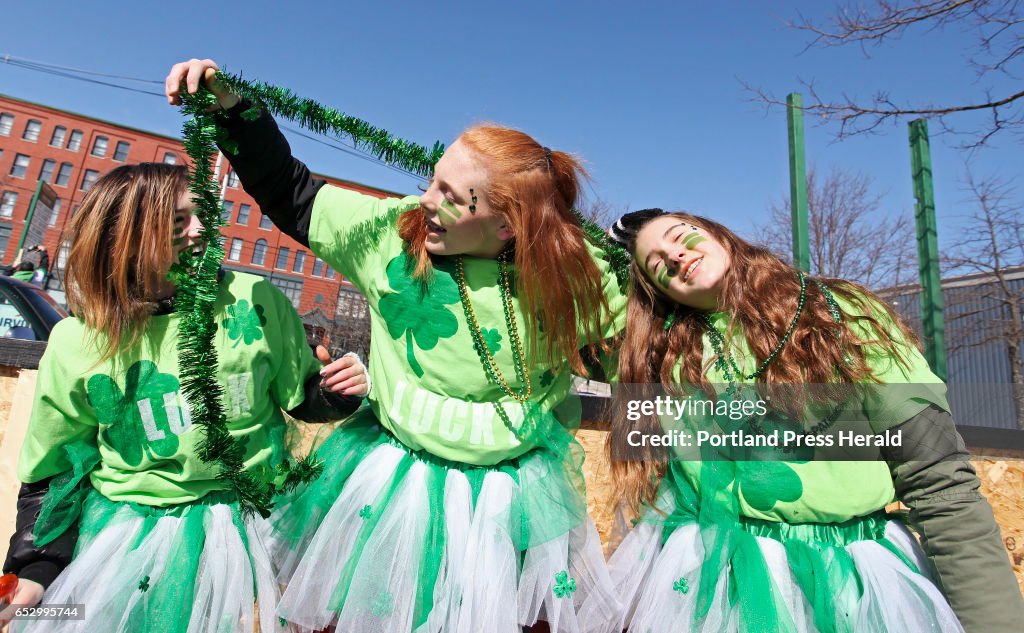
(535, 191)
(120, 248)
(761, 294)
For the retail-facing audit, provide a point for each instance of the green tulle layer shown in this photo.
(551, 498)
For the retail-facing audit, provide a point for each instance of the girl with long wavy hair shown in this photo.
(456, 501)
(119, 513)
(735, 533)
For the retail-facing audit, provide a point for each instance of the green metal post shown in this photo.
(798, 182)
(932, 323)
(28, 216)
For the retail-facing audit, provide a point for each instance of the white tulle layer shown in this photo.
(893, 596)
(367, 582)
(130, 578)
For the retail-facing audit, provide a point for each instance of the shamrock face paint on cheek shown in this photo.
(693, 239)
(662, 277)
(448, 214)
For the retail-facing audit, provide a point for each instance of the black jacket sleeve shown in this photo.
(935, 479)
(281, 185)
(40, 564)
(321, 405)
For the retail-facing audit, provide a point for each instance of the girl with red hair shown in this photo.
(456, 501)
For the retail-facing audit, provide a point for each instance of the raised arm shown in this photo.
(280, 184)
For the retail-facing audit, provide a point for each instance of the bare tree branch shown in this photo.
(849, 236)
(989, 243)
(999, 48)
(887, 20)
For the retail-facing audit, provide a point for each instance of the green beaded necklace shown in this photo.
(724, 360)
(490, 365)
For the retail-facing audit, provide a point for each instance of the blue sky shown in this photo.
(649, 95)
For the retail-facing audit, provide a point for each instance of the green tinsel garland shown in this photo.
(315, 117)
(196, 279)
(382, 144)
(615, 255)
(196, 276)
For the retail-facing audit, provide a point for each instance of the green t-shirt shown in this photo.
(429, 387)
(131, 407)
(832, 491)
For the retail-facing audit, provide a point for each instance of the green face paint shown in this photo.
(662, 277)
(448, 214)
(693, 239)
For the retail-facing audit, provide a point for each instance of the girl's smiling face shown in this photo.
(460, 221)
(683, 261)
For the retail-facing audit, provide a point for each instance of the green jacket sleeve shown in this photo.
(934, 477)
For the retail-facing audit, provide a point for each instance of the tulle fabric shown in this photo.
(392, 540)
(194, 568)
(867, 574)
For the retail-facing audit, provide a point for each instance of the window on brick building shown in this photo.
(5, 237)
(232, 180)
(292, 288)
(46, 172)
(259, 253)
(32, 129)
(75, 140)
(99, 146)
(318, 267)
(265, 222)
(351, 304)
(300, 262)
(64, 175)
(235, 253)
(57, 139)
(170, 158)
(121, 151)
(90, 176)
(20, 165)
(243, 214)
(282, 258)
(6, 123)
(7, 202)
(229, 208)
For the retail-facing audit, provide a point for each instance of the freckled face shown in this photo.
(683, 261)
(456, 223)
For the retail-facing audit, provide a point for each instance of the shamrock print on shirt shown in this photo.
(418, 311)
(145, 419)
(244, 323)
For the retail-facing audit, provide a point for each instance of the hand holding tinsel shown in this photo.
(193, 73)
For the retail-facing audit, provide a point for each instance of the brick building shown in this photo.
(69, 151)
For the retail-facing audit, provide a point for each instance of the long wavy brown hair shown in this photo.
(761, 294)
(556, 275)
(120, 246)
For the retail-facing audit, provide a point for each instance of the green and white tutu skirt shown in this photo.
(192, 568)
(390, 539)
(867, 574)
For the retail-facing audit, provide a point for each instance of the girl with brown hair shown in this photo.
(456, 502)
(119, 513)
(737, 533)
